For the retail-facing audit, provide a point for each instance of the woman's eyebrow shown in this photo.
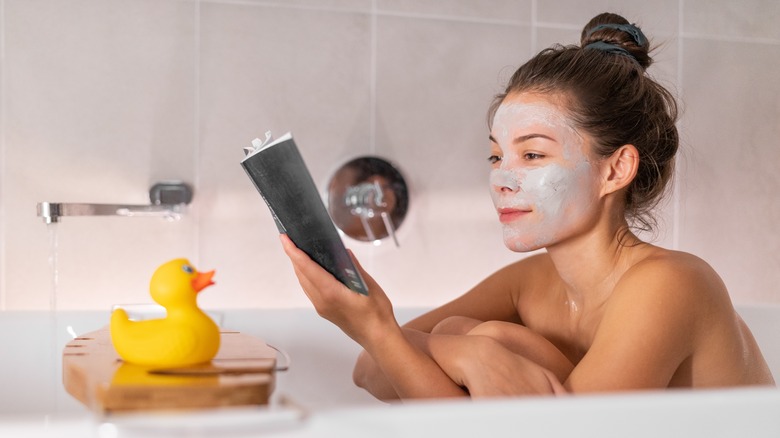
(523, 138)
(527, 137)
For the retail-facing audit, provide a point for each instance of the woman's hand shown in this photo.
(369, 320)
(522, 341)
(499, 372)
(362, 318)
(488, 369)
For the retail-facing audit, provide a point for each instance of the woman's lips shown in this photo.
(506, 215)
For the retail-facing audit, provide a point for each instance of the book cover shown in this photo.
(279, 173)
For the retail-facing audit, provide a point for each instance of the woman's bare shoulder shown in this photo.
(678, 264)
(522, 277)
(494, 298)
(664, 308)
(674, 277)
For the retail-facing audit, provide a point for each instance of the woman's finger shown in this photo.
(303, 264)
(373, 286)
(322, 288)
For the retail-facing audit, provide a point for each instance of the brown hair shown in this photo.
(608, 95)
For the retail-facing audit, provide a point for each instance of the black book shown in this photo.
(279, 173)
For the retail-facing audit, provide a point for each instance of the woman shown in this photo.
(582, 148)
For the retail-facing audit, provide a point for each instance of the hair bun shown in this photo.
(613, 33)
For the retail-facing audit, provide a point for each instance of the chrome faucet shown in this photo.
(365, 200)
(168, 200)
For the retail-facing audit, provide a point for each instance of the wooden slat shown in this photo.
(242, 373)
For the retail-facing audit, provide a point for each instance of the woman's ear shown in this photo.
(620, 168)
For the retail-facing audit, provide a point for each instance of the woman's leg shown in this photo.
(521, 340)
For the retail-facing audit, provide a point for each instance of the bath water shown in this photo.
(53, 248)
(53, 316)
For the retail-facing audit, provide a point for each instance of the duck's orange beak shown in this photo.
(202, 280)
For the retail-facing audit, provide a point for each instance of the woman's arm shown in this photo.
(453, 352)
(489, 369)
(498, 358)
(369, 375)
(495, 298)
(369, 320)
(656, 319)
(522, 341)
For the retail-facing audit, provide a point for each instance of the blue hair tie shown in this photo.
(610, 48)
(636, 33)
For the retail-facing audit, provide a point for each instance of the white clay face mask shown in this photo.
(543, 200)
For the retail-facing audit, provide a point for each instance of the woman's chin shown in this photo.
(520, 246)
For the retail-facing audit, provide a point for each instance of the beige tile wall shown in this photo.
(99, 100)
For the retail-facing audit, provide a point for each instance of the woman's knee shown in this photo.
(455, 325)
(493, 329)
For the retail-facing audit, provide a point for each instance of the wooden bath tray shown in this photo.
(242, 373)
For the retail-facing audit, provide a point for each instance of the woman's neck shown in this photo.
(591, 264)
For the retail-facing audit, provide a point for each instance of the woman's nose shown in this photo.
(504, 181)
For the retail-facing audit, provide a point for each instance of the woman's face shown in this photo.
(544, 183)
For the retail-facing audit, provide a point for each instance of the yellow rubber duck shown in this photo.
(186, 336)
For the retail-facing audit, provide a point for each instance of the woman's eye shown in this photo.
(493, 159)
(532, 156)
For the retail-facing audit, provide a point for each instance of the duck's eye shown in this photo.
(188, 269)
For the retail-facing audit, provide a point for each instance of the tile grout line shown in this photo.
(197, 128)
(3, 282)
(374, 10)
(534, 27)
(676, 193)
(372, 96)
(730, 39)
(273, 4)
(534, 22)
(454, 18)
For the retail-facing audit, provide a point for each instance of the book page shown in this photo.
(259, 145)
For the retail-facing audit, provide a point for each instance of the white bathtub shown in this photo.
(316, 396)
